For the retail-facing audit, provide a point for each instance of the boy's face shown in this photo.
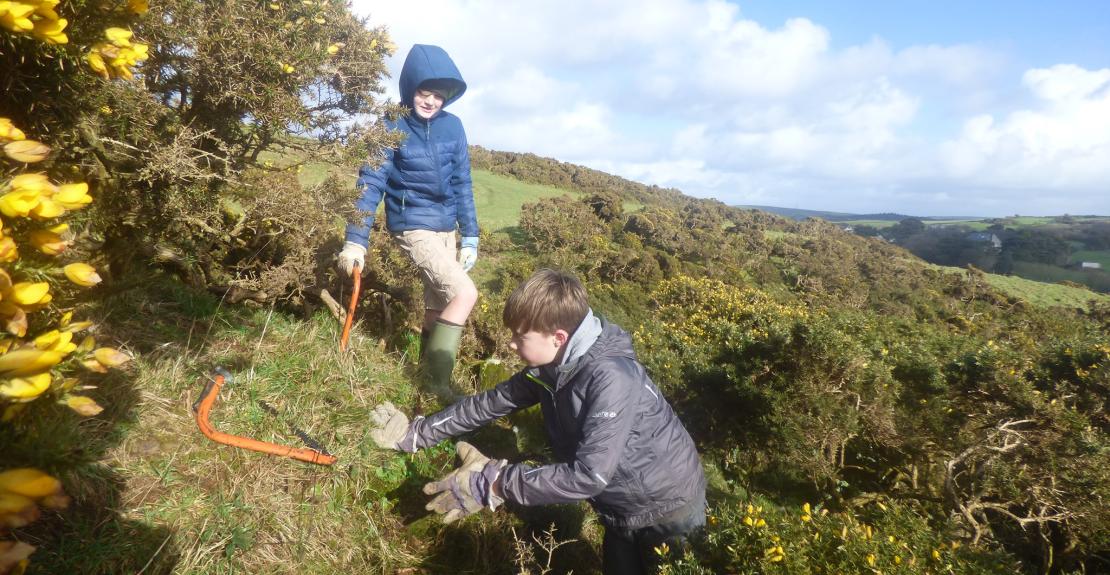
(538, 348)
(427, 103)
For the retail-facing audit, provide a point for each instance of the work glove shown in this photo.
(390, 429)
(350, 255)
(468, 489)
(468, 253)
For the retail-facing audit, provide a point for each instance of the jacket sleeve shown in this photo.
(372, 182)
(467, 214)
(470, 413)
(608, 414)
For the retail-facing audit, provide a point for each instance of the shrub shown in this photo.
(760, 536)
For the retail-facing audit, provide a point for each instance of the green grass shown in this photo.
(778, 235)
(881, 224)
(1100, 256)
(499, 198)
(1097, 280)
(151, 492)
(1038, 293)
(1045, 294)
(873, 223)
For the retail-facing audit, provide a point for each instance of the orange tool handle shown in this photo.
(204, 407)
(356, 272)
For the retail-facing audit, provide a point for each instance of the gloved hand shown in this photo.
(468, 253)
(350, 255)
(468, 489)
(388, 426)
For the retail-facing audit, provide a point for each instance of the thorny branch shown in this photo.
(967, 496)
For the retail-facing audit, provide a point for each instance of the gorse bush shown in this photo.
(760, 536)
(811, 363)
(40, 357)
(182, 159)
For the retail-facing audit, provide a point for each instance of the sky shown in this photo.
(935, 108)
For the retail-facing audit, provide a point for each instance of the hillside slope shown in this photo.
(837, 388)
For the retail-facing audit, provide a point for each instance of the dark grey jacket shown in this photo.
(619, 443)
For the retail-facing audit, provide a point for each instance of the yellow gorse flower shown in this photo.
(8, 250)
(28, 151)
(33, 183)
(28, 293)
(110, 357)
(116, 57)
(24, 362)
(23, 389)
(47, 209)
(36, 18)
(73, 196)
(51, 30)
(139, 7)
(16, 16)
(29, 482)
(48, 242)
(8, 131)
(54, 340)
(82, 274)
(119, 37)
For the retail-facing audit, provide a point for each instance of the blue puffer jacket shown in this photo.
(425, 181)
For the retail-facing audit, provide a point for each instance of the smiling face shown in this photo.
(537, 348)
(427, 103)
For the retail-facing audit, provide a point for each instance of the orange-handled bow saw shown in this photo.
(203, 407)
(356, 272)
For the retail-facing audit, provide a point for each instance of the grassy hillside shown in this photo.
(834, 384)
(499, 198)
(1039, 293)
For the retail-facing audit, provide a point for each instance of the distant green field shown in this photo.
(1039, 294)
(973, 224)
(1100, 256)
(1044, 294)
(873, 223)
(499, 198)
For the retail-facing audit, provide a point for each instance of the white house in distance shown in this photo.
(1090, 266)
(985, 237)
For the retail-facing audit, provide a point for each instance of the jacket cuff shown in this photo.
(408, 441)
(357, 235)
(470, 242)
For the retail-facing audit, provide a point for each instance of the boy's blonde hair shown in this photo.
(549, 300)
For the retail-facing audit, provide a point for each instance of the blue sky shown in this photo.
(924, 108)
(1033, 33)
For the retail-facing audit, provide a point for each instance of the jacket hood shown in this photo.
(595, 338)
(426, 62)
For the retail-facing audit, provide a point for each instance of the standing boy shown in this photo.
(428, 194)
(619, 444)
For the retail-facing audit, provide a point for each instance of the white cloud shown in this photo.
(1060, 144)
(691, 94)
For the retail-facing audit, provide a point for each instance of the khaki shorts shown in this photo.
(434, 254)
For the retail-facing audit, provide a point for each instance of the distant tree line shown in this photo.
(957, 245)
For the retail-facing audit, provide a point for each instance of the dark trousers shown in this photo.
(632, 551)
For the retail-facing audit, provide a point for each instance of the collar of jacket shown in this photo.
(419, 124)
(578, 346)
(587, 332)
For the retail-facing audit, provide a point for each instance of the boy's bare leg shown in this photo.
(457, 310)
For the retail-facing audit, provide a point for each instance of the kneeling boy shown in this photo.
(619, 444)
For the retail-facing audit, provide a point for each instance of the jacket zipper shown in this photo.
(435, 154)
(554, 404)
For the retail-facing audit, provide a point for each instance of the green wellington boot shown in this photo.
(438, 360)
